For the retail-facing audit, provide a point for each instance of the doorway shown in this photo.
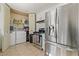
(18, 28)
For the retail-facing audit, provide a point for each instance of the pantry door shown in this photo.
(6, 26)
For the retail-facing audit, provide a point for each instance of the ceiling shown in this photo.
(31, 7)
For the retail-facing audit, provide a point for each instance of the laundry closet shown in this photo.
(18, 27)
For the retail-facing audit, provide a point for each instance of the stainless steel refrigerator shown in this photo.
(62, 28)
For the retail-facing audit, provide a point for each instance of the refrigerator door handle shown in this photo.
(49, 30)
(56, 25)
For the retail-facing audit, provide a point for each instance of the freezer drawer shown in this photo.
(50, 49)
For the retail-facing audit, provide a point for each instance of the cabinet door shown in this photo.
(43, 16)
(37, 17)
(12, 38)
(40, 16)
(20, 37)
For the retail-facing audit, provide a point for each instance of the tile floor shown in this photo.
(24, 49)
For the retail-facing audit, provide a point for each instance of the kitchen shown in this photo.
(48, 27)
